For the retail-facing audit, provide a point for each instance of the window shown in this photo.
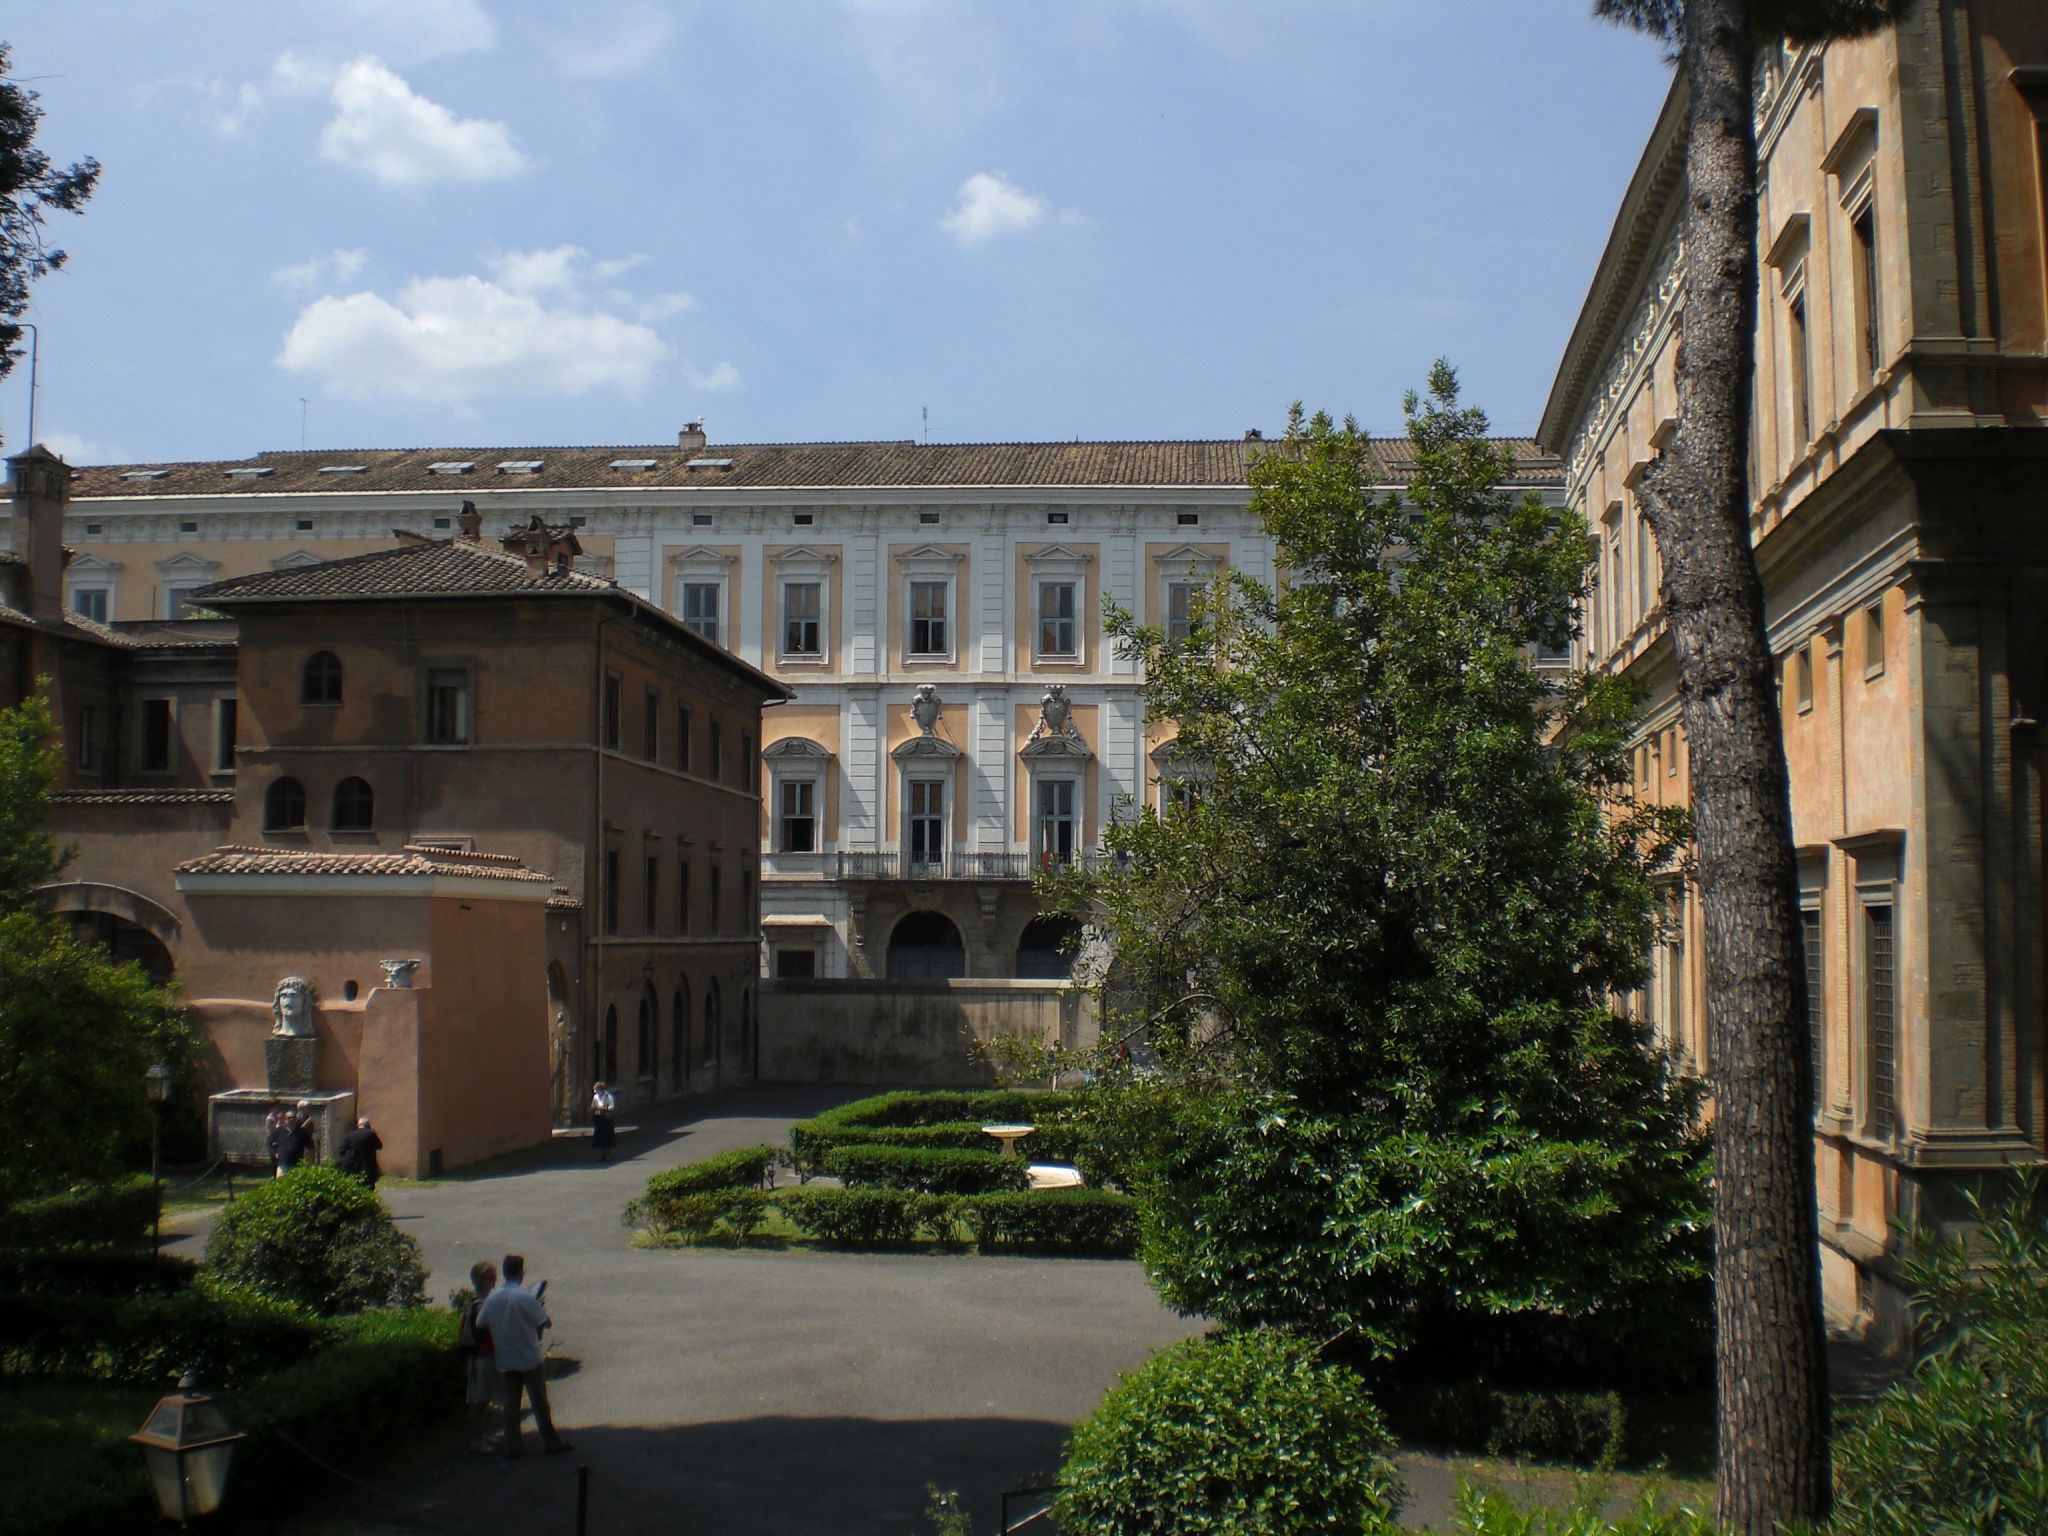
(614, 707)
(683, 736)
(88, 743)
(1058, 633)
(1798, 367)
(1802, 679)
(711, 1024)
(928, 618)
(682, 892)
(608, 1047)
(1178, 793)
(717, 883)
(797, 816)
(715, 750)
(746, 755)
(224, 712)
(651, 891)
(1880, 1020)
(284, 806)
(1055, 799)
(611, 884)
(355, 806)
(802, 619)
(700, 608)
(153, 739)
(1816, 1014)
(678, 1038)
(1180, 609)
(1863, 275)
(178, 603)
(448, 706)
(1873, 640)
(1187, 519)
(650, 727)
(320, 683)
(1611, 576)
(1646, 567)
(927, 826)
(792, 964)
(748, 917)
(90, 603)
(643, 1042)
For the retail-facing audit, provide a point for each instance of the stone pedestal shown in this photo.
(235, 1129)
(292, 1065)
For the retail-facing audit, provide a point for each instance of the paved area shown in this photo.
(753, 1394)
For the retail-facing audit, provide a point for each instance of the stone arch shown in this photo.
(643, 1036)
(116, 901)
(1048, 948)
(711, 1022)
(679, 1036)
(926, 946)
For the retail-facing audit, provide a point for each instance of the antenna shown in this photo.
(925, 411)
(303, 408)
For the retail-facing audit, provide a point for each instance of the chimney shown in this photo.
(692, 435)
(41, 484)
(546, 551)
(469, 523)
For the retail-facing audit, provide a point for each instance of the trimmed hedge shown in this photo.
(727, 1215)
(93, 1214)
(1582, 1427)
(91, 1271)
(945, 1119)
(869, 1218)
(226, 1336)
(672, 1200)
(927, 1170)
(1073, 1221)
(318, 1238)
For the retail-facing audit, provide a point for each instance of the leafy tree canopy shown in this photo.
(30, 188)
(1376, 939)
(1799, 21)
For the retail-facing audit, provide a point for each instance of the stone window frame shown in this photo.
(1852, 162)
(1877, 880)
(797, 760)
(89, 575)
(1054, 567)
(1184, 566)
(702, 566)
(803, 566)
(1789, 256)
(928, 564)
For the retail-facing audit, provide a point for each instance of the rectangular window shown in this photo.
(683, 737)
(88, 739)
(1055, 821)
(1057, 631)
(90, 603)
(448, 706)
(746, 758)
(1881, 1019)
(700, 608)
(1873, 640)
(928, 618)
(1180, 609)
(716, 753)
(652, 891)
(153, 740)
(798, 816)
(717, 881)
(748, 917)
(802, 619)
(224, 711)
(1646, 573)
(1798, 371)
(795, 964)
(927, 826)
(178, 602)
(1816, 1014)
(1863, 272)
(1802, 679)
(611, 888)
(682, 893)
(614, 708)
(650, 728)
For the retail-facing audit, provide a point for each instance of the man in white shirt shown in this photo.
(514, 1318)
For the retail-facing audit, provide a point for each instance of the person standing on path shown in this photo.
(485, 1388)
(603, 1137)
(515, 1319)
(358, 1155)
(297, 1146)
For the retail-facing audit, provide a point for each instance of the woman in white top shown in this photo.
(602, 1137)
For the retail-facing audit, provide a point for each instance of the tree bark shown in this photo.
(1772, 1405)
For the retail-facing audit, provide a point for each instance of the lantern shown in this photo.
(187, 1444)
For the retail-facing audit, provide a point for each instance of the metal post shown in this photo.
(156, 1180)
(583, 1501)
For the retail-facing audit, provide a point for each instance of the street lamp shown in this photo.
(187, 1444)
(159, 1077)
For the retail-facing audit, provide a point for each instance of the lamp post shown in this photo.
(187, 1443)
(159, 1077)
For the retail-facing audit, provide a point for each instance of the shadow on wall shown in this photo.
(909, 1033)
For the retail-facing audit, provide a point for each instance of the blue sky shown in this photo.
(500, 222)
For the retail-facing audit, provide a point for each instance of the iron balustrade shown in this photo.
(960, 864)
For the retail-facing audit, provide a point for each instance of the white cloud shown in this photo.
(75, 448)
(327, 271)
(422, 29)
(385, 128)
(452, 339)
(990, 205)
(597, 43)
(718, 377)
(234, 115)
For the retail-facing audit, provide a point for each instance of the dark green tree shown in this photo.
(1377, 938)
(30, 188)
(77, 1032)
(1770, 1340)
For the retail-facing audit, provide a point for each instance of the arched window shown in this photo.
(1047, 948)
(321, 683)
(926, 947)
(711, 1025)
(284, 806)
(748, 1062)
(678, 1039)
(355, 806)
(644, 1041)
(608, 1049)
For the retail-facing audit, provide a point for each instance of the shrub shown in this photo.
(867, 1218)
(937, 1119)
(1237, 1433)
(91, 1271)
(99, 1213)
(671, 1202)
(1480, 1513)
(731, 1215)
(227, 1336)
(1583, 1427)
(1957, 1447)
(1090, 1221)
(935, 1170)
(321, 1239)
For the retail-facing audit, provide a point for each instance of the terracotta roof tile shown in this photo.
(240, 859)
(430, 568)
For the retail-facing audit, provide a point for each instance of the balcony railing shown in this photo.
(960, 864)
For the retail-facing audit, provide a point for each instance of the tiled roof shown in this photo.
(74, 626)
(720, 466)
(240, 859)
(431, 568)
(143, 796)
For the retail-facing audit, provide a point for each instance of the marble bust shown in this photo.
(291, 1009)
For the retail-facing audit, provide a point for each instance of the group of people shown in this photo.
(502, 1329)
(293, 1139)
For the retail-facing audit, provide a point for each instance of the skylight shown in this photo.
(452, 467)
(255, 473)
(709, 464)
(634, 466)
(522, 466)
(144, 474)
(343, 469)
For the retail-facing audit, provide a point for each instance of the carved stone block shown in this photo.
(291, 1065)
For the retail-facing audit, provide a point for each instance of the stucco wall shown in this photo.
(905, 1033)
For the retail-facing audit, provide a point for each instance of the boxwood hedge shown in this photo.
(928, 1170)
(91, 1214)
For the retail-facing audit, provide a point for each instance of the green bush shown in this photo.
(1077, 1221)
(945, 1119)
(1480, 1513)
(932, 1171)
(1243, 1434)
(318, 1238)
(1582, 1427)
(727, 1215)
(226, 1336)
(868, 1218)
(673, 1200)
(92, 1214)
(92, 1271)
(1958, 1448)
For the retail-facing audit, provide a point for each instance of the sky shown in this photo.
(404, 223)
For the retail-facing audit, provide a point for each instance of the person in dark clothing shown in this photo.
(297, 1146)
(358, 1155)
(275, 1125)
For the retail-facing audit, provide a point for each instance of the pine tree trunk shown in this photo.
(1770, 1343)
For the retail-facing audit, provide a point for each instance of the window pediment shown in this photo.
(925, 746)
(931, 559)
(1055, 747)
(801, 748)
(1058, 555)
(1190, 562)
(296, 560)
(90, 565)
(188, 564)
(803, 560)
(701, 558)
